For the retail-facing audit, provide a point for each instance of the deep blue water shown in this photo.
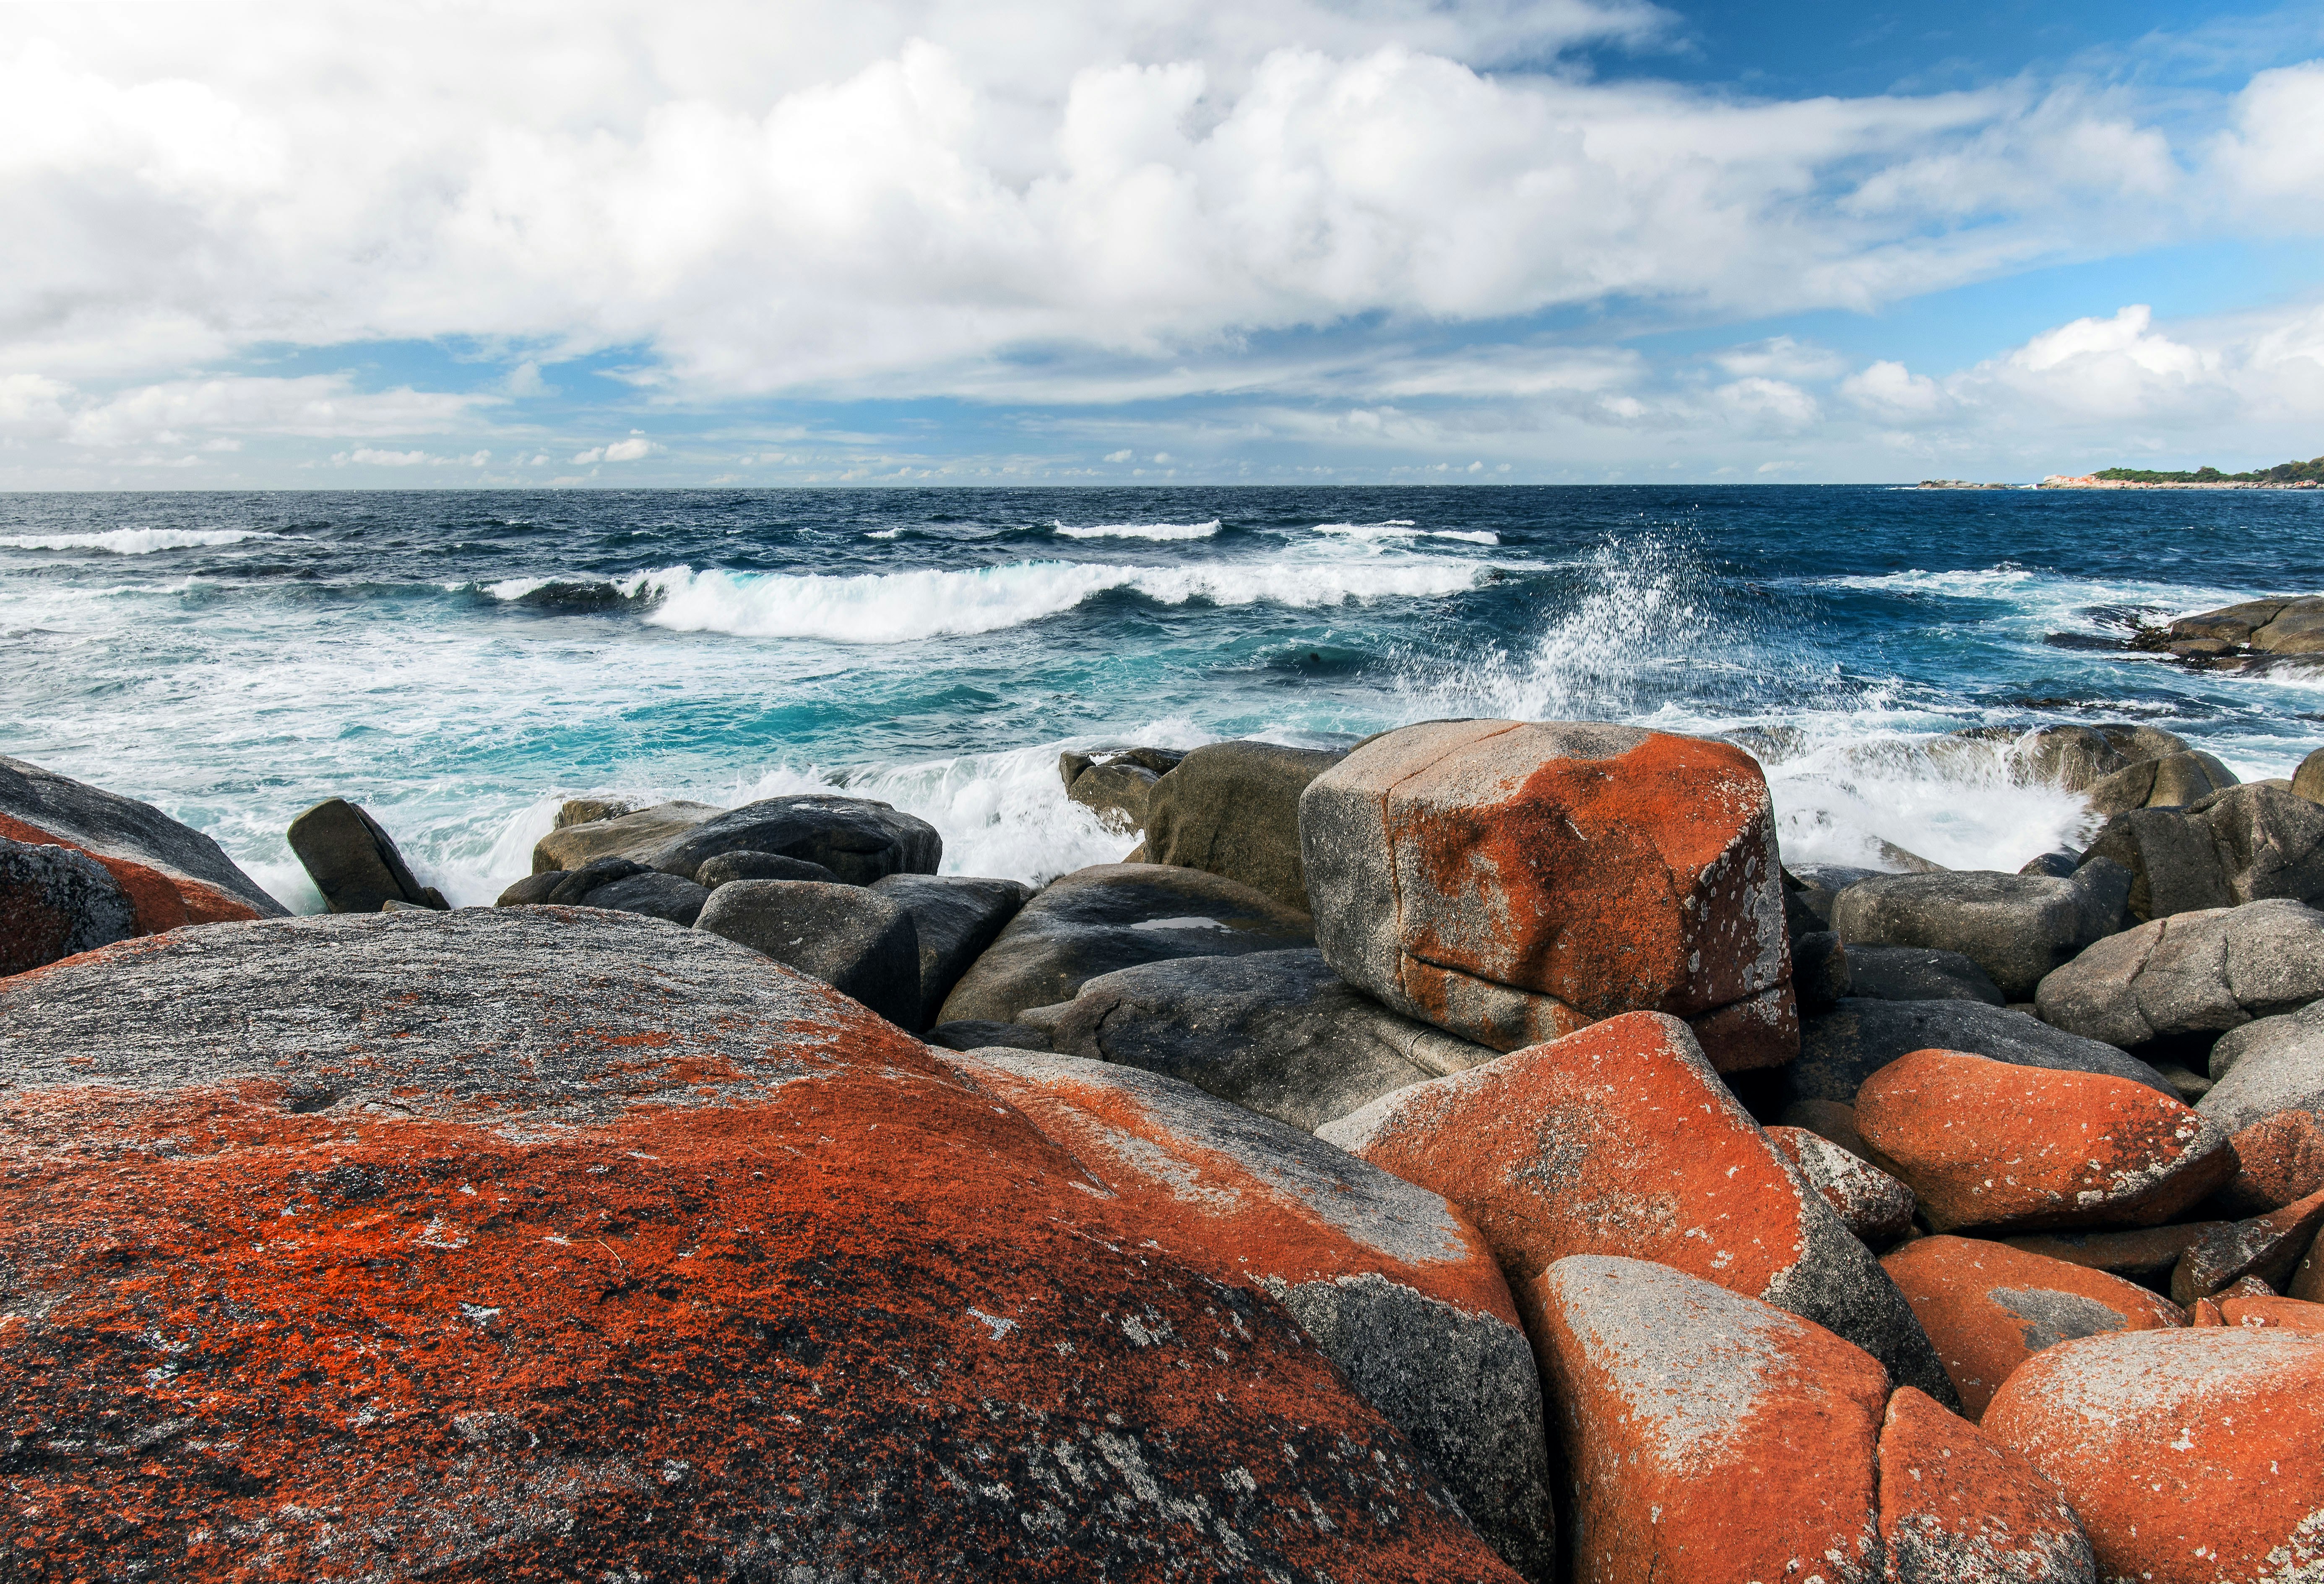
(459, 662)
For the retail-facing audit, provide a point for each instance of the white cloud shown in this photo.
(808, 198)
(632, 449)
(313, 407)
(1122, 455)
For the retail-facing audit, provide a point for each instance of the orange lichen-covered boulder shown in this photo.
(172, 873)
(1877, 1206)
(1986, 1145)
(1620, 1140)
(562, 1243)
(2278, 1159)
(1988, 1307)
(2293, 1314)
(1513, 882)
(1398, 1290)
(1708, 1437)
(2192, 1456)
(1957, 1507)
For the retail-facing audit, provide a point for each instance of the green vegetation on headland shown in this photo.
(2308, 472)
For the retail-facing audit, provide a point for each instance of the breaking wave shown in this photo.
(134, 540)
(1163, 531)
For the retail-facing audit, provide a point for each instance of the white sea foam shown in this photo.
(897, 608)
(884, 533)
(1138, 530)
(134, 540)
(1405, 528)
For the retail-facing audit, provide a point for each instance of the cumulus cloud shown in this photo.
(632, 450)
(228, 407)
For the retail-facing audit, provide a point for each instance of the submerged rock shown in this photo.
(1511, 882)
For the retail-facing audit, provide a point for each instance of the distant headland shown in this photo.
(2308, 474)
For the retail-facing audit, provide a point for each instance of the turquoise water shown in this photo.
(461, 663)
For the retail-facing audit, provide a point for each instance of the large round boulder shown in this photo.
(2190, 1455)
(859, 839)
(1513, 882)
(562, 1243)
(1982, 1144)
(1233, 808)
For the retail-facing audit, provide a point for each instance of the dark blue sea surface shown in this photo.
(461, 663)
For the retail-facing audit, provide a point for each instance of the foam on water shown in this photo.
(1405, 528)
(1155, 531)
(134, 540)
(897, 608)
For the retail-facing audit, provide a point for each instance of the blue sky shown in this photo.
(1377, 240)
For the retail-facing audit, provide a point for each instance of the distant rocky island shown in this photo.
(2308, 474)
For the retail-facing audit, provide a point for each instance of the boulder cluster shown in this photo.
(1473, 1155)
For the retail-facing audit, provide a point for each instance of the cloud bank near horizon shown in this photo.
(1386, 239)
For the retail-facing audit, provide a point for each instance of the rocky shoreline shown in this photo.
(1474, 1155)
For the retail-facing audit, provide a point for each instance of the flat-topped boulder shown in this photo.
(172, 873)
(613, 831)
(427, 1245)
(2289, 624)
(2016, 927)
(1513, 882)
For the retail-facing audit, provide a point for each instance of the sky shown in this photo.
(769, 243)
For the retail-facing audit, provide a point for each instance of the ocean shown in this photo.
(460, 664)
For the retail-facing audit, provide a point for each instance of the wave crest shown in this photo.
(134, 540)
(1138, 530)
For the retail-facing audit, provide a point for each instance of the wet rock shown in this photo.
(859, 839)
(2173, 1447)
(575, 887)
(572, 1244)
(1914, 973)
(1277, 1031)
(56, 902)
(352, 861)
(1823, 974)
(1115, 789)
(588, 810)
(2268, 1248)
(2145, 1255)
(852, 938)
(2249, 844)
(955, 917)
(1620, 1139)
(1840, 1050)
(1820, 885)
(2063, 863)
(172, 874)
(1232, 809)
(1397, 1290)
(637, 834)
(2278, 1159)
(2271, 1065)
(2172, 782)
(532, 891)
(972, 1035)
(1113, 916)
(747, 865)
(2016, 927)
(1708, 1436)
(1988, 1307)
(1875, 1206)
(1957, 1507)
(657, 895)
(1982, 1144)
(2192, 973)
(1511, 882)
(2293, 625)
